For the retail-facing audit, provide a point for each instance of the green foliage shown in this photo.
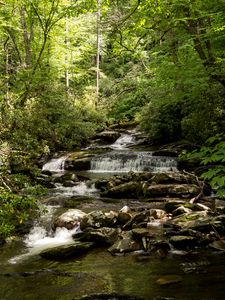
(162, 121)
(14, 211)
(212, 155)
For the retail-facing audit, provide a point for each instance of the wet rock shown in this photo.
(78, 164)
(218, 245)
(127, 190)
(46, 172)
(139, 233)
(173, 177)
(207, 225)
(189, 220)
(123, 217)
(173, 204)
(102, 236)
(157, 213)
(74, 202)
(97, 219)
(125, 209)
(46, 181)
(108, 136)
(181, 190)
(181, 210)
(169, 279)
(101, 184)
(69, 176)
(183, 242)
(70, 218)
(137, 219)
(125, 244)
(69, 183)
(67, 251)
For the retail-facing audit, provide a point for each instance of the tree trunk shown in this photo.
(98, 52)
(67, 56)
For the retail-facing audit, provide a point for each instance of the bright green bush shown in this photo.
(14, 211)
(212, 155)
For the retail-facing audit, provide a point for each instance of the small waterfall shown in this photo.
(126, 140)
(55, 164)
(42, 237)
(124, 161)
(81, 189)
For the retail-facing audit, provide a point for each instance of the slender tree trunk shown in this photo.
(6, 48)
(98, 52)
(26, 38)
(67, 56)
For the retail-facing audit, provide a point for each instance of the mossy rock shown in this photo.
(67, 251)
(74, 202)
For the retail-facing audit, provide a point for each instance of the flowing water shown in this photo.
(25, 275)
(126, 161)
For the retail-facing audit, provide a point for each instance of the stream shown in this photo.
(25, 275)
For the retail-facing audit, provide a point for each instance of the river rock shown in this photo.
(158, 213)
(173, 177)
(181, 210)
(127, 190)
(173, 204)
(67, 251)
(139, 233)
(123, 217)
(125, 244)
(102, 236)
(169, 279)
(69, 183)
(45, 180)
(97, 219)
(137, 220)
(79, 164)
(182, 190)
(108, 136)
(70, 218)
(183, 242)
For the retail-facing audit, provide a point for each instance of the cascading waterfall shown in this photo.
(120, 160)
(55, 164)
(123, 142)
(124, 161)
(42, 237)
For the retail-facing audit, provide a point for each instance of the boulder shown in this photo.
(130, 189)
(157, 213)
(181, 210)
(123, 217)
(181, 190)
(46, 181)
(79, 164)
(173, 177)
(75, 201)
(102, 236)
(69, 183)
(173, 204)
(137, 220)
(70, 218)
(125, 244)
(97, 219)
(183, 242)
(67, 251)
(109, 136)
